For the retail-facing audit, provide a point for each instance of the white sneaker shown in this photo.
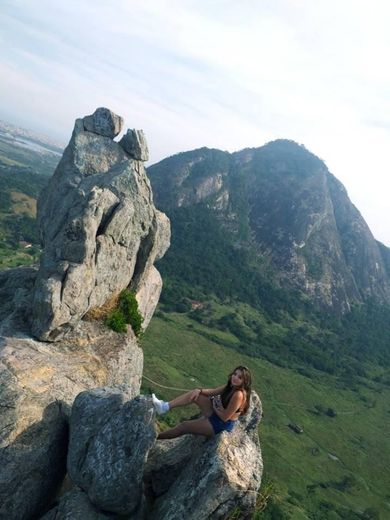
(160, 406)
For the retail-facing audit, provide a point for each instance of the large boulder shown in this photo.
(33, 465)
(222, 473)
(99, 229)
(166, 460)
(103, 122)
(134, 143)
(75, 505)
(109, 443)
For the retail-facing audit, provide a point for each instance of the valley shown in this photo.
(248, 280)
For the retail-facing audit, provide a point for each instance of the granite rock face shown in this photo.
(109, 443)
(39, 382)
(101, 233)
(33, 465)
(99, 228)
(221, 474)
(134, 143)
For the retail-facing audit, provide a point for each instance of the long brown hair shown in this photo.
(246, 386)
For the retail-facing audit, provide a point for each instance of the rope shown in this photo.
(167, 387)
(189, 390)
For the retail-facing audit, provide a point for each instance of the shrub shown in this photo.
(126, 313)
(129, 306)
(330, 412)
(116, 321)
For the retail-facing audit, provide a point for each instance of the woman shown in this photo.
(221, 407)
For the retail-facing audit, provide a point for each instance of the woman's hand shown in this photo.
(195, 394)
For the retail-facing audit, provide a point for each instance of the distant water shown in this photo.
(26, 143)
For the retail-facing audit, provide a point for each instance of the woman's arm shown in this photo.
(208, 392)
(234, 404)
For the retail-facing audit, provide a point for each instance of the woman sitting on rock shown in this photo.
(221, 407)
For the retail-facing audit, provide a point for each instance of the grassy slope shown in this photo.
(178, 354)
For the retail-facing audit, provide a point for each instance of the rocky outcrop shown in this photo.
(103, 122)
(70, 387)
(96, 219)
(39, 382)
(101, 233)
(222, 474)
(189, 477)
(109, 442)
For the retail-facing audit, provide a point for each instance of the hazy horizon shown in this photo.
(220, 74)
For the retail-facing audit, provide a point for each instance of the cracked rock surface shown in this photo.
(100, 233)
(99, 230)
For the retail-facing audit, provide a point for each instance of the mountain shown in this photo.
(281, 201)
(272, 228)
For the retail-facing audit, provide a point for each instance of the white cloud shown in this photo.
(221, 73)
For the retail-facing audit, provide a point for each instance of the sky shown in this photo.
(224, 74)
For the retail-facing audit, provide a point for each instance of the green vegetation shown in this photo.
(222, 301)
(336, 467)
(206, 262)
(19, 240)
(116, 321)
(206, 257)
(126, 313)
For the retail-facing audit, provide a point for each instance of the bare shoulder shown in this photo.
(240, 395)
(243, 396)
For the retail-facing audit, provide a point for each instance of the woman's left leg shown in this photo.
(200, 426)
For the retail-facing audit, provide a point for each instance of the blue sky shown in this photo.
(218, 73)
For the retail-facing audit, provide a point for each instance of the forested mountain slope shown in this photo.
(273, 228)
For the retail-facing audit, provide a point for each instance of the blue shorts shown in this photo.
(219, 425)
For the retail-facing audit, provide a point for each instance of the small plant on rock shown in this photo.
(116, 321)
(126, 313)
